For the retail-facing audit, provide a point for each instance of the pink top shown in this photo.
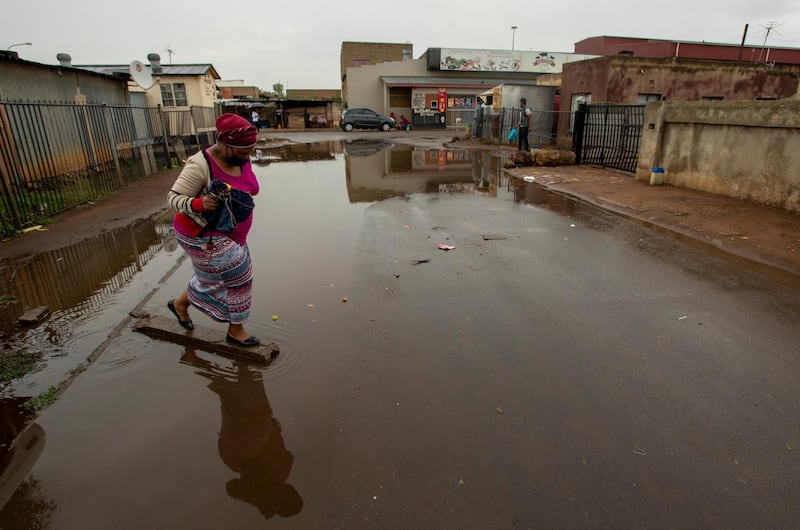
(245, 182)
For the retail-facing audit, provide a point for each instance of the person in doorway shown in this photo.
(221, 286)
(404, 123)
(477, 117)
(524, 126)
(255, 118)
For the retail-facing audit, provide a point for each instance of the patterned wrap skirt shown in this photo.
(222, 284)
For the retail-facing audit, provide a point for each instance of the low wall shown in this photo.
(744, 149)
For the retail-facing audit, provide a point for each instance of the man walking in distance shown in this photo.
(524, 124)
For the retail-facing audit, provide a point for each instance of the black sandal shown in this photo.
(186, 324)
(249, 341)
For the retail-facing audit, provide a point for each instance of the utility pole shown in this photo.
(744, 37)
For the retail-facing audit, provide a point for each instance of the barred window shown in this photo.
(644, 98)
(174, 95)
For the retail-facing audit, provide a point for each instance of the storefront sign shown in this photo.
(466, 60)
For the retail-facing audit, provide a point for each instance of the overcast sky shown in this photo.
(297, 43)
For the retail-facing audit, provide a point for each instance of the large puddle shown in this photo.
(90, 287)
(310, 215)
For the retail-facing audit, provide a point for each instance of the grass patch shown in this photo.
(7, 300)
(41, 401)
(14, 366)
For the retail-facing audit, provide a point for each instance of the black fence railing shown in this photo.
(54, 156)
(609, 135)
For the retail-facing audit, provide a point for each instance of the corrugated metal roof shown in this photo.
(391, 80)
(166, 69)
(13, 58)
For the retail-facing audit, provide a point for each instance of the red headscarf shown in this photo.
(235, 131)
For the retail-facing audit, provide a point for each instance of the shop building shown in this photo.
(439, 89)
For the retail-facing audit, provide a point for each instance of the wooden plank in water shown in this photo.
(205, 339)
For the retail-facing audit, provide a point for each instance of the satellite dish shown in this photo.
(141, 74)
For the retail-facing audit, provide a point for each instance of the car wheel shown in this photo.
(348, 127)
(385, 127)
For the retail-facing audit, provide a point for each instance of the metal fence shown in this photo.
(547, 129)
(55, 156)
(609, 135)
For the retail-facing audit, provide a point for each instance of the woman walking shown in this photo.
(211, 224)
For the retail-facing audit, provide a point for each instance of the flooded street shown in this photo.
(556, 368)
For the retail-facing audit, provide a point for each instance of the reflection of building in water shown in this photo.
(81, 277)
(402, 170)
(307, 152)
(250, 440)
(487, 171)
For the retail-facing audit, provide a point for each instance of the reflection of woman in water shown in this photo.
(250, 441)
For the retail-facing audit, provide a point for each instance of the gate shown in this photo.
(609, 135)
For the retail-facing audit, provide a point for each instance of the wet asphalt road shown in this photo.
(570, 371)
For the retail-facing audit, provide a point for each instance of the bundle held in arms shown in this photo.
(233, 207)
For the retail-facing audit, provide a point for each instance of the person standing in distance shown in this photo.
(221, 286)
(524, 126)
(477, 117)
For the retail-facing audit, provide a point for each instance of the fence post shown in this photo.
(165, 130)
(6, 168)
(501, 136)
(194, 127)
(577, 135)
(113, 141)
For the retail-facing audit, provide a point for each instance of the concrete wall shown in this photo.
(622, 79)
(366, 88)
(749, 150)
(354, 54)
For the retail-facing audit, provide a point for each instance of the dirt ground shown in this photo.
(765, 236)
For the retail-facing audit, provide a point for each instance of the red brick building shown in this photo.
(658, 48)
